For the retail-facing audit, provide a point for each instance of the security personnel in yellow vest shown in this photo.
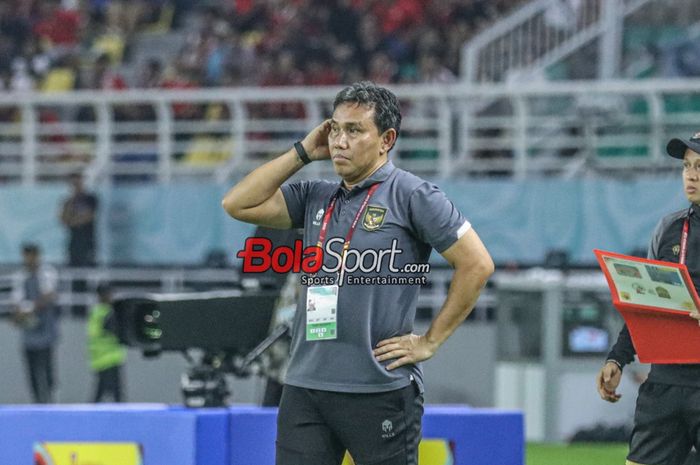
(107, 355)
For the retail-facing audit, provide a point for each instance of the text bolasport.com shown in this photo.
(358, 268)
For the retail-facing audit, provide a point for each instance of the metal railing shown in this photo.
(544, 32)
(77, 286)
(177, 280)
(163, 136)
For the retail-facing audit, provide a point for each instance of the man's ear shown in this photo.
(388, 140)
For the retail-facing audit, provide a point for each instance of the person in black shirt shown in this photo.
(667, 417)
(78, 215)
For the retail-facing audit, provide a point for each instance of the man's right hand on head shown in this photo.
(608, 380)
(316, 142)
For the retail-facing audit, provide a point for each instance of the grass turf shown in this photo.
(575, 454)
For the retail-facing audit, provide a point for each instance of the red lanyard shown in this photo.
(329, 212)
(684, 241)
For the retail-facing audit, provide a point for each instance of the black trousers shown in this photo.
(273, 393)
(317, 427)
(39, 364)
(80, 254)
(109, 384)
(666, 424)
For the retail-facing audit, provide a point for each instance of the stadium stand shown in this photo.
(114, 46)
(221, 43)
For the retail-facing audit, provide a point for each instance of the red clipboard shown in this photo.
(660, 333)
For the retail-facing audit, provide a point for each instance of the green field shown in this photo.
(575, 454)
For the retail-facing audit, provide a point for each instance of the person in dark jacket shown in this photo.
(667, 417)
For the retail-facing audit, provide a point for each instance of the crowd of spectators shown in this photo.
(320, 42)
(63, 45)
(56, 45)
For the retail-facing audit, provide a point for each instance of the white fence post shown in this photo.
(29, 143)
(656, 113)
(103, 149)
(239, 116)
(165, 139)
(444, 136)
(314, 116)
(610, 43)
(520, 148)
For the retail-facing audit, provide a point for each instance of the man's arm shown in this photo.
(71, 218)
(608, 378)
(473, 266)
(257, 198)
(65, 216)
(48, 284)
(87, 215)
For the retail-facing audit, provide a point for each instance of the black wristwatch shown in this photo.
(303, 156)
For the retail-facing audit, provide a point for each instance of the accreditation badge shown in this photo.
(321, 313)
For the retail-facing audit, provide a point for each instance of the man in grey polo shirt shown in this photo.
(354, 379)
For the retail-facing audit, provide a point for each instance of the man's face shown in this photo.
(691, 176)
(356, 146)
(30, 259)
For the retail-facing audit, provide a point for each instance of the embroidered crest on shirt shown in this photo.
(676, 249)
(373, 218)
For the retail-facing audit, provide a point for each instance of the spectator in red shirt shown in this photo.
(399, 14)
(178, 77)
(57, 25)
(321, 72)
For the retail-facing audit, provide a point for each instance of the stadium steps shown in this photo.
(164, 46)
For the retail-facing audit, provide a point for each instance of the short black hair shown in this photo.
(387, 113)
(104, 288)
(31, 247)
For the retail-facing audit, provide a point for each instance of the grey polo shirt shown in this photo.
(405, 210)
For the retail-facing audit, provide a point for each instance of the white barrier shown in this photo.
(538, 128)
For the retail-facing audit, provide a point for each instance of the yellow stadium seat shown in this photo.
(112, 44)
(208, 150)
(58, 80)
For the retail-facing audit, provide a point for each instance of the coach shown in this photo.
(667, 418)
(354, 381)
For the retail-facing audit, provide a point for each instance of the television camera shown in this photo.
(219, 333)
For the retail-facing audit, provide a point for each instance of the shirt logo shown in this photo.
(676, 249)
(374, 218)
(319, 215)
(388, 429)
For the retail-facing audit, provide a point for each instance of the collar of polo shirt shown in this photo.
(380, 174)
